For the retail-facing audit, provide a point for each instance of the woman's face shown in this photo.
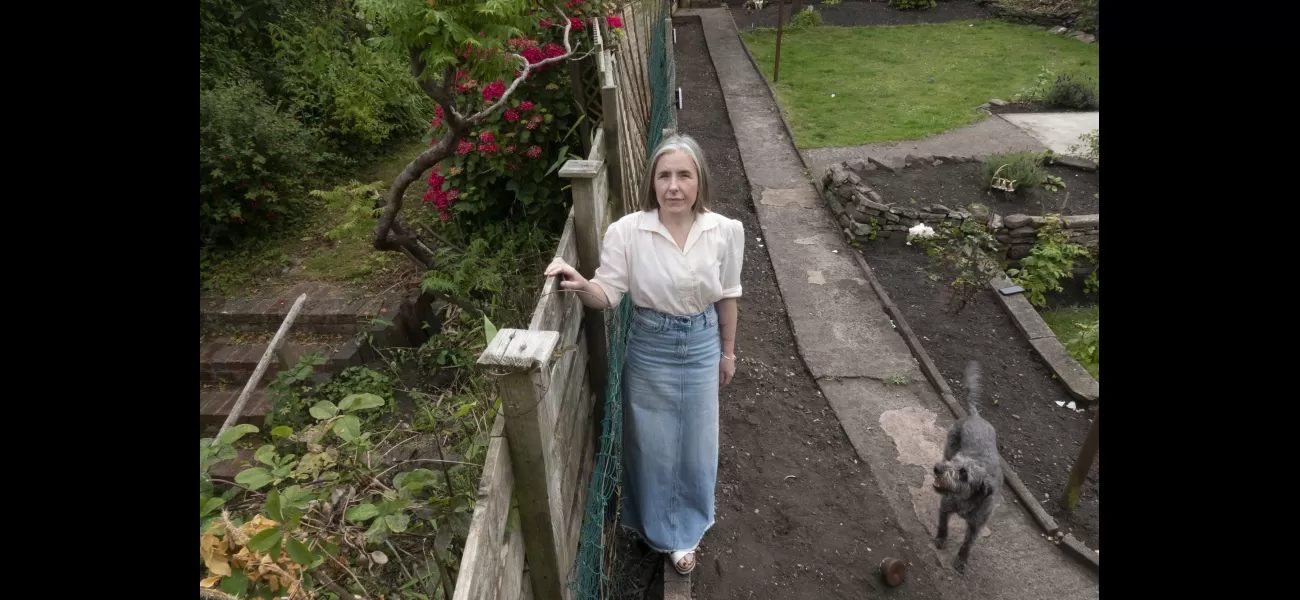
(676, 183)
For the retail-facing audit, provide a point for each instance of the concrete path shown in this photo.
(1058, 131)
(991, 136)
(850, 345)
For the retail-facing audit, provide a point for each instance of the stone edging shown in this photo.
(1075, 377)
(789, 132)
(1045, 521)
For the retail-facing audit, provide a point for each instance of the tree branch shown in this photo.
(481, 116)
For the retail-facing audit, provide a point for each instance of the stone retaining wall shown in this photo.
(861, 211)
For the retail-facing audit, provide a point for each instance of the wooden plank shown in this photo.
(547, 313)
(590, 188)
(511, 586)
(480, 564)
(581, 477)
(578, 462)
(569, 418)
(525, 358)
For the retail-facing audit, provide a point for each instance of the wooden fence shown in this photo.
(552, 375)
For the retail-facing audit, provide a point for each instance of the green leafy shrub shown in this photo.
(1085, 346)
(1089, 149)
(1069, 92)
(913, 4)
(253, 161)
(970, 253)
(1024, 168)
(1050, 261)
(808, 17)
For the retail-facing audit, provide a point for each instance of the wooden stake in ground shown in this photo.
(261, 368)
(776, 70)
(1070, 498)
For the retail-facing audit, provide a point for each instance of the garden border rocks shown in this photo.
(864, 215)
(1026, 497)
(1075, 377)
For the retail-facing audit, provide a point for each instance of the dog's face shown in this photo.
(961, 477)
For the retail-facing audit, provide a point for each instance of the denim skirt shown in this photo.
(670, 427)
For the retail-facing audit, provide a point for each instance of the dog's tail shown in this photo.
(973, 387)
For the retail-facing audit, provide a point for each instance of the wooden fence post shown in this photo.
(590, 180)
(611, 109)
(525, 359)
(1070, 498)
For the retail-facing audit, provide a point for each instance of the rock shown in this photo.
(995, 223)
(845, 191)
(939, 208)
(1023, 232)
(959, 215)
(1059, 30)
(1002, 238)
(1076, 162)
(838, 175)
(878, 163)
(1086, 38)
(894, 227)
(1082, 221)
(861, 229)
(998, 102)
(865, 204)
(910, 213)
(979, 212)
(862, 166)
(859, 216)
(875, 197)
(889, 216)
(1019, 251)
(854, 179)
(837, 207)
(937, 162)
(844, 220)
(1016, 221)
(911, 159)
(926, 216)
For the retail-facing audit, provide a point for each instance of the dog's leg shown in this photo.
(974, 525)
(945, 512)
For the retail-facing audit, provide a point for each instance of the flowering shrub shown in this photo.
(505, 168)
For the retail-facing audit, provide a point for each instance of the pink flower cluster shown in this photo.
(534, 152)
(494, 90)
(614, 22)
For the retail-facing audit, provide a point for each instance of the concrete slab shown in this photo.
(1057, 131)
(990, 136)
(851, 346)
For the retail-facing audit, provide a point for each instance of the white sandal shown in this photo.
(683, 555)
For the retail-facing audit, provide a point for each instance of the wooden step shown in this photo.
(215, 405)
(234, 363)
(326, 311)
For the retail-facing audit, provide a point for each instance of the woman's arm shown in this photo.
(612, 273)
(727, 316)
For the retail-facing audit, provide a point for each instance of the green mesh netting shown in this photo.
(591, 574)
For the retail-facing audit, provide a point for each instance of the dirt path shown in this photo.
(798, 515)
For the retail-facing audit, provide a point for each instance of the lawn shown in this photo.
(1065, 322)
(307, 253)
(881, 76)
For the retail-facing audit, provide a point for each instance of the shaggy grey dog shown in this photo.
(969, 478)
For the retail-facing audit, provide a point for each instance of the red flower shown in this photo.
(494, 90)
(510, 149)
(533, 55)
(487, 137)
(575, 23)
(512, 115)
(435, 180)
(553, 50)
(437, 108)
(433, 141)
(614, 22)
(534, 152)
(444, 216)
(544, 23)
(452, 195)
(488, 148)
(464, 147)
(526, 105)
(512, 167)
(430, 195)
(436, 122)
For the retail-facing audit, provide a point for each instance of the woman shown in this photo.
(680, 263)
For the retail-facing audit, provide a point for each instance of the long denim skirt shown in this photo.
(670, 427)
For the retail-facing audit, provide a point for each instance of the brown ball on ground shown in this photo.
(894, 571)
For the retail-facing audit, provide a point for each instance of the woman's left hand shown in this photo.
(726, 370)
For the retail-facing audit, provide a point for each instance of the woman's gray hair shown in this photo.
(688, 146)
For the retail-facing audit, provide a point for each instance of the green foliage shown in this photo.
(1089, 149)
(1085, 345)
(913, 4)
(1024, 168)
(1050, 261)
(831, 2)
(491, 266)
(1070, 92)
(360, 204)
(970, 254)
(808, 17)
(253, 161)
(1038, 90)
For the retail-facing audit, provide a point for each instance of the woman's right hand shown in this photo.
(572, 279)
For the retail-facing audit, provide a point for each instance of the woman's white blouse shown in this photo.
(639, 257)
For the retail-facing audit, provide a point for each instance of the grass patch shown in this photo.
(1065, 323)
(304, 253)
(881, 76)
